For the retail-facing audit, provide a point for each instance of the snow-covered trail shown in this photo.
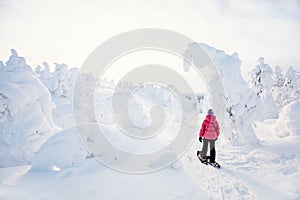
(270, 171)
(217, 183)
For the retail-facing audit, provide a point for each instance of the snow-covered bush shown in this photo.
(16, 63)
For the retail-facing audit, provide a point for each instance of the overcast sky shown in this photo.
(68, 30)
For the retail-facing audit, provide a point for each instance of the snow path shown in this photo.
(270, 171)
(218, 183)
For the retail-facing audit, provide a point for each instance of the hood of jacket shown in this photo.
(210, 118)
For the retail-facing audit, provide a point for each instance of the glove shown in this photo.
(200, 139)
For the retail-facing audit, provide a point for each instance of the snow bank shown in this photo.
(62, 151)
(25, 113)
(288, 122)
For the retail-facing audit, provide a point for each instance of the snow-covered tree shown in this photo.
(2, 66)
(25, 112)
(261, 78)
(262, 83)
(242, 103)
(60, 82)
(292, 84)
(3, 108)
(286, 87)
(279, 90)
(278, 77)
(16, 63)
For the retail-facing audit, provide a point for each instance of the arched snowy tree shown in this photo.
(241, 101)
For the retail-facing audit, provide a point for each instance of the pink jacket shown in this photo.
(210, 128)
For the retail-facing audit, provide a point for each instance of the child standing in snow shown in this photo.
(209, 133)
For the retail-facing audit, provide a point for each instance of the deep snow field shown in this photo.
(42, 157)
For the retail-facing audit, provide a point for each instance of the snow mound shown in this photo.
(288, 122)
(25, 113)
(62, 151)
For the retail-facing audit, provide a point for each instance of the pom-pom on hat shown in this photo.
(210, 112)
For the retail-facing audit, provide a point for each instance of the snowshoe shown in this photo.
(203, 160)
(215, 164)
